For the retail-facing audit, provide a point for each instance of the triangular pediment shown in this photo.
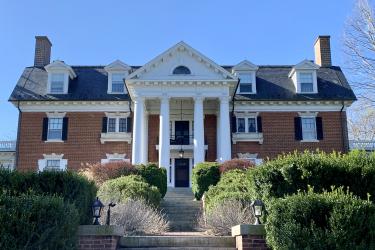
(181, 54)
(117, 66)
(60, 65)
(306, 64)
(245, 65)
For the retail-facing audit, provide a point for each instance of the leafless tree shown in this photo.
(361, 121)
(359, 45)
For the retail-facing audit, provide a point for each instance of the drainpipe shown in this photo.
(343, 133)
(233, 101)
(18, 134)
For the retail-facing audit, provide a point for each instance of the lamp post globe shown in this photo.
(97, 207)
(257, 206)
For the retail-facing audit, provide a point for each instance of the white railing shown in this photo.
(7, 146)
(362, 144)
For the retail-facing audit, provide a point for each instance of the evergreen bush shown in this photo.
(205, 174)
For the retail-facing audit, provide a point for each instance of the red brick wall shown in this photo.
(278, 135)
(153, 135)
(97, 242)
(251, 242)
(210, 136)
(83, 144)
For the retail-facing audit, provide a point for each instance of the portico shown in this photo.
(181, 86)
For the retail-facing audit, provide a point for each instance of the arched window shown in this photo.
(181, 70)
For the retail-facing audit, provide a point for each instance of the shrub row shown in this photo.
(134, 187)
(205, 174)
(154, 175)
(292, 172)
(335, 220)
(70, 186)
(37, 222)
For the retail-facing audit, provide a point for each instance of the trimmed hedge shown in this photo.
(292, 172)
(233, 185)
(37, 222)
(71, 186)
(334, 220)
(134, 187)
(154, 176)
(205, 174)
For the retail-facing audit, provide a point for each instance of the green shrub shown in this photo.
(37, 222)
(335, 220)
(71, 186)
(233, 185)
(205, 174)
(133, 187)
(154, 176)
(293, 172)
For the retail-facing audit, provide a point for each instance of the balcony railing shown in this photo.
(362, 144)
(7, 146)
(182, 140)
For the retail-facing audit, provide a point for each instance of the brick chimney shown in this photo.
(322, 49)
(42, 51)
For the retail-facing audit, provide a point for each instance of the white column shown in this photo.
(144, 151)
(137, 130)
(198, 130)
(164, 150)
(225, 143)
(218, 142)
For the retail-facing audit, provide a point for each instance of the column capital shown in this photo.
(164, 98)
(224, 99)
(198, 98)
(138, 99)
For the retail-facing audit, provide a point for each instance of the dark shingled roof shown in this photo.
(91, 84)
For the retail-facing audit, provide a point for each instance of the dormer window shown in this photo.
(307, 83)
(181, 70)
(117, 72)
(246, 83)
(304, 77)
(118, 83)
(59, 74)
(57, 83)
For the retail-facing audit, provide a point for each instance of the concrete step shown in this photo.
(177, 248)
(177, 241)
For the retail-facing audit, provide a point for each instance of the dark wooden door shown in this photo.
(181, 170)
(181, 129)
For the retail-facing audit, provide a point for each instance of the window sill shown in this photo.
(115, 137)
(247, 137)
(246, 93)
(117, 93)
(311, 140)
(55, 140)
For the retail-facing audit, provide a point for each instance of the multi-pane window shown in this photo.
(241, 125)
(55, 126)
(52, 165)
(246, 125)
(112, 124)
(246, 83)
(57, 83)
(122, 125)
(118, 83)
(117, 124)
(308, 128)
(306, 81)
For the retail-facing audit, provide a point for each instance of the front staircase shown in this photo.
(181, 210)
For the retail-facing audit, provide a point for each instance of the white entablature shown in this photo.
(204, 76)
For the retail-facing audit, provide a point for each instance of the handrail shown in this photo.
(362, 144)
(7, 146)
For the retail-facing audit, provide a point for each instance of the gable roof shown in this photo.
(192, 52)
(273, 83)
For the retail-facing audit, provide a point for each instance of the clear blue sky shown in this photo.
(98, 32)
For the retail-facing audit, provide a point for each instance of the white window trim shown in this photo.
(117, 116)
(42, 163)
(116, 136)
(66, 81)
(110, 73)
(246, 116)
(179, 64)
(115, 156)
(297, 81)
(309, 115)
(60, 115)
(253, 76)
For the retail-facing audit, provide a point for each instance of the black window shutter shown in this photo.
(129, 124)
(104, 125)
(234, 124)
(259, 124)
(65, 129)
(45, 129)
(319, 128)
(298, 128)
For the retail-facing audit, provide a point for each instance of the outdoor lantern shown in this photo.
(181, 153)
(257, 207)
(97, 207)
(108, 221)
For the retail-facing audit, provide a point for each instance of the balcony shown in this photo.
(115, 137)
(247, 137)
(182, 141)
(7, 146)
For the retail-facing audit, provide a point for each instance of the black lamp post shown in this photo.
(257, 207)
(97, 207)
(108, 221)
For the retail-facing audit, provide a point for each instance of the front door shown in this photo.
(182, 132)
(181, 169)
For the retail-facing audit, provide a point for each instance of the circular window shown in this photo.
(181, 70)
